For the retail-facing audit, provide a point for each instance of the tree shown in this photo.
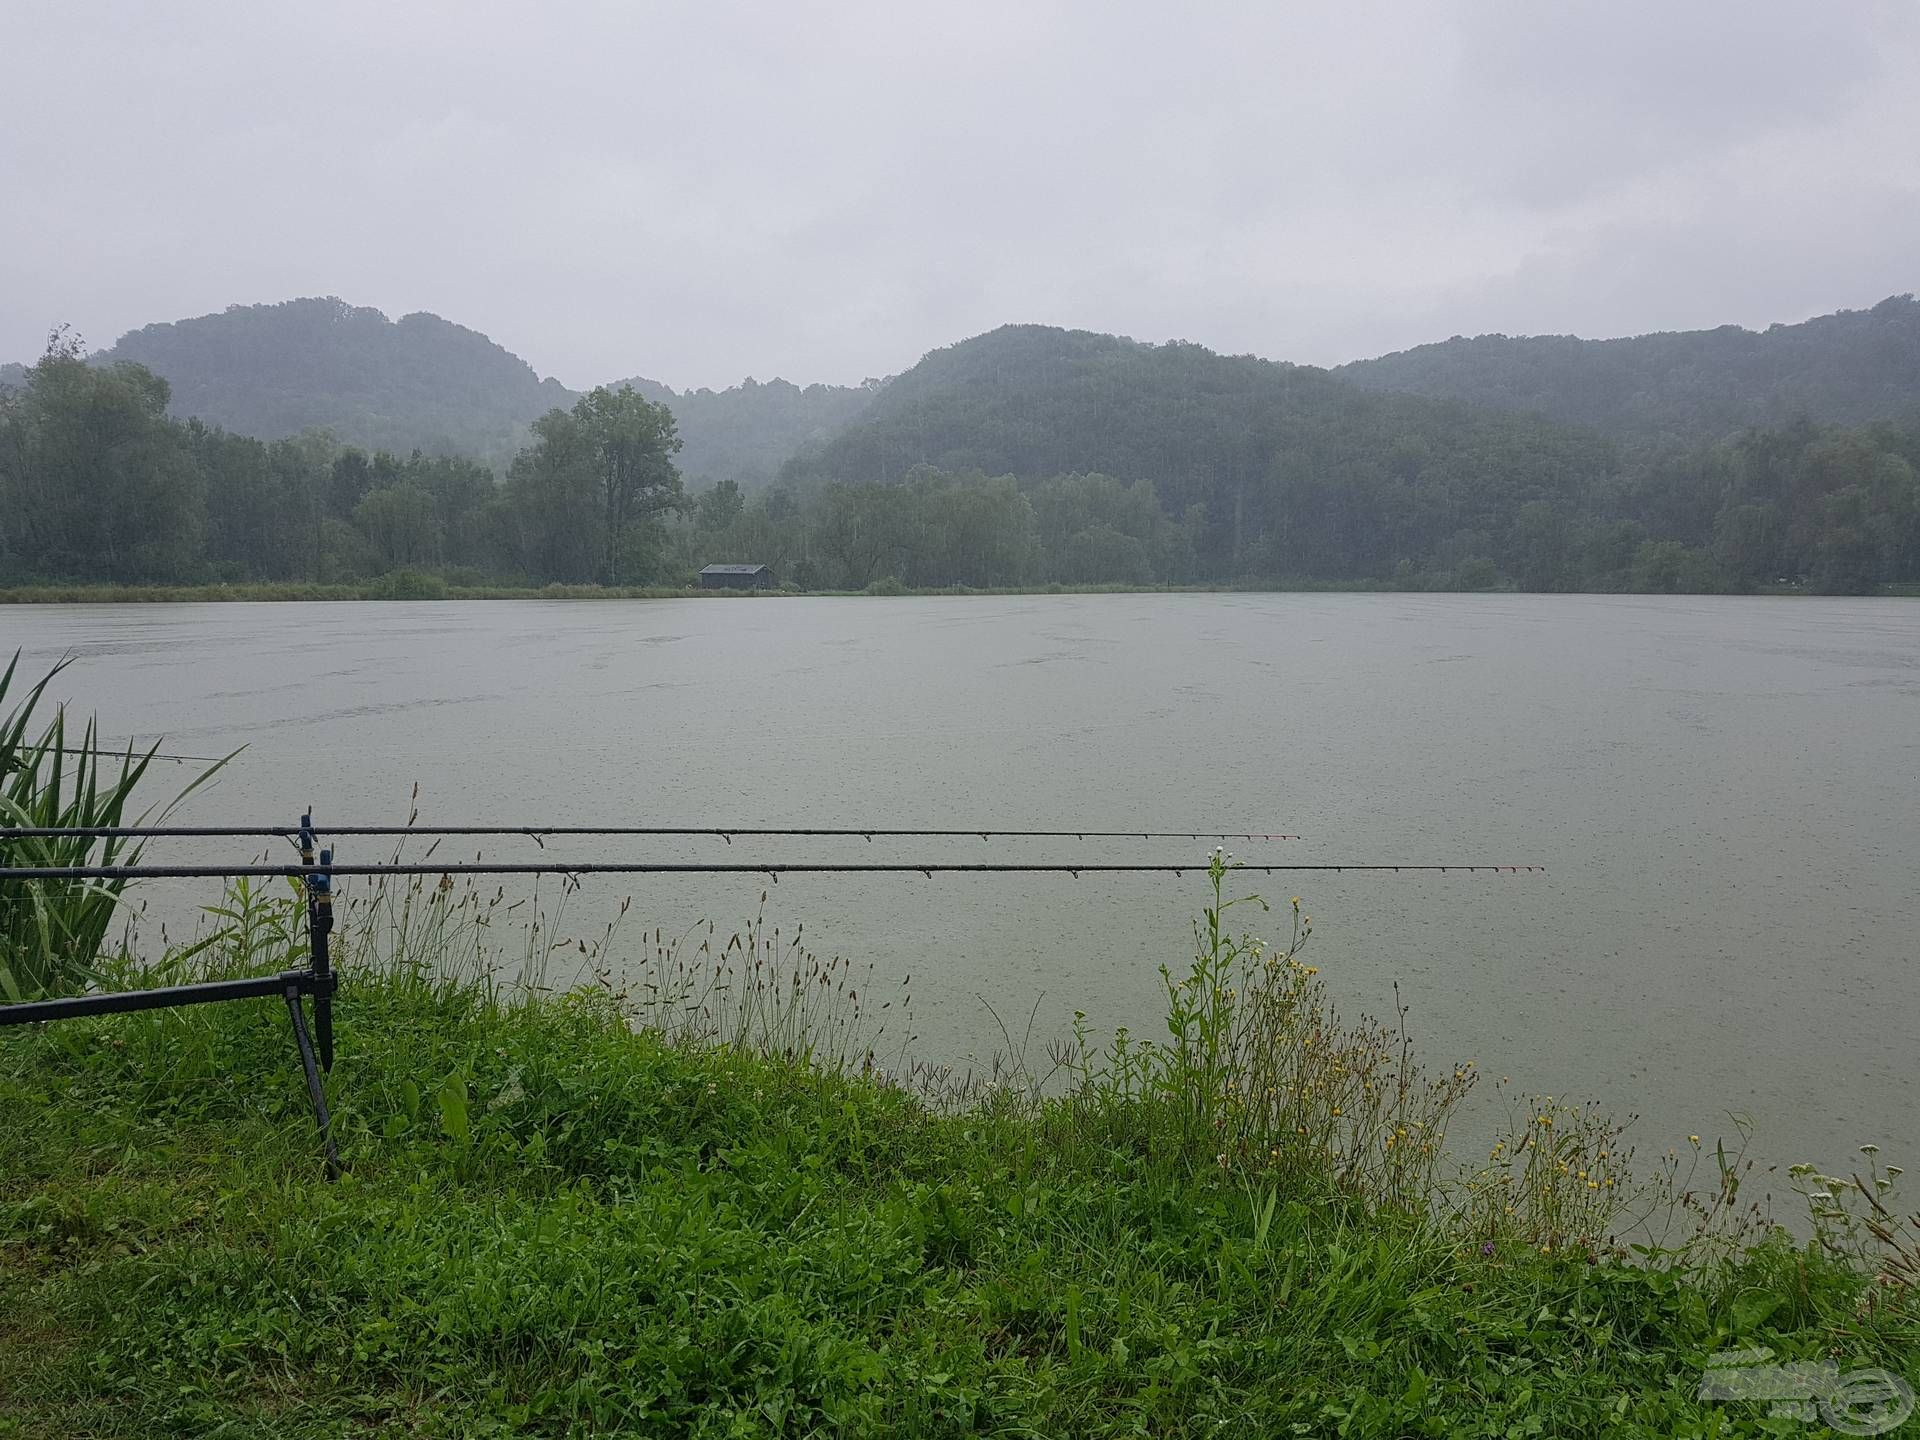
(1540, 545)
(720, 506)
(97, 481)
(587, 496)
(633, 442)
(399, 522)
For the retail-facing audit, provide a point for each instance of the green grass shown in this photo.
(556, 1224)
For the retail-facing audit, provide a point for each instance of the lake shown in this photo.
(1726, 793)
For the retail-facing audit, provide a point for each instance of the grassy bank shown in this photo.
(697, 1209)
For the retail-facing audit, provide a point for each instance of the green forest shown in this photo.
(1030, 456)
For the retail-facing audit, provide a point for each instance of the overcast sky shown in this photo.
(699, 192)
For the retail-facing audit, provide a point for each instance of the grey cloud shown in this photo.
(702, 191)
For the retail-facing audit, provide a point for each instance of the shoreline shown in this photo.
(374, 592)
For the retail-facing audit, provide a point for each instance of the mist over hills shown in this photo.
(746, 432)
(422, 382)
(1699, 460)
(1847, 368)
(419, 382)
(1264, 459)
(1675, 461)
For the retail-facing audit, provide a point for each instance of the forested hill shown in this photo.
(747, 431)
(1848, 368)
(1287, 469)
(418, 382)
(421, 382)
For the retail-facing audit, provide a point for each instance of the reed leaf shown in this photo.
(52, 931)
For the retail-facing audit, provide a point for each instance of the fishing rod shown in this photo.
(326, 866)
(317, 980)
(538, 832)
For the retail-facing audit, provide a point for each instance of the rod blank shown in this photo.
(725, 832)
(777, 868)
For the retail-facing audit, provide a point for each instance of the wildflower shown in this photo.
(1693, 1139)
(1487, 1248)
(1869, 1149)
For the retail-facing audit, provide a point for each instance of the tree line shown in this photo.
(98, 484)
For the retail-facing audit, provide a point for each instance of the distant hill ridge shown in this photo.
(748, 431)
(1026, 398)
(1850, 367)
(421, 382)
(1258, 450)
(416, 382)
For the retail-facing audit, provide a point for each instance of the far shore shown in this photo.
(429, 589)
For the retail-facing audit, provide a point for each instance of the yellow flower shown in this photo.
(1694, 1138)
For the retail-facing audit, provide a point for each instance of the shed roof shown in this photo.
(731, 569)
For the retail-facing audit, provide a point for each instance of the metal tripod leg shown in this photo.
(314, 1092)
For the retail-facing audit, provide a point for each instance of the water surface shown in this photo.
(1726, 791)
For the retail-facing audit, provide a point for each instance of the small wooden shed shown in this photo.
(736, 577)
